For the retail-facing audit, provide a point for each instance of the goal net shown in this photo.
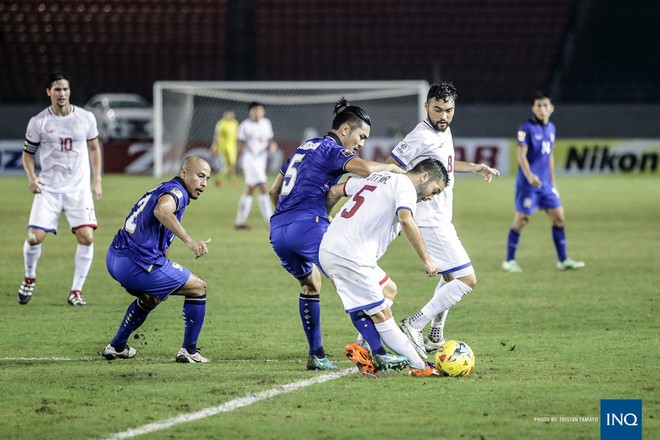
(185, 113)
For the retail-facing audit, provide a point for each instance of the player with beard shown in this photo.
(432, 138)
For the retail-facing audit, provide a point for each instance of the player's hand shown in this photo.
(535, 181)
(430, 268)
(396, 169)
(97, 191)
(35, 186)
(199, 247)
(486, 172)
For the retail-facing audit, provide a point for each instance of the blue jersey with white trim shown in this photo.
(309, 173)
(540, 141)
(143, 237)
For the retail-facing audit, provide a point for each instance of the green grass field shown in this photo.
(547, 344)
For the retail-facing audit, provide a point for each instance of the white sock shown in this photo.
(266, 207)
(244, 207)
(394, 338)
(438, 326)
(84, 257)
(445, 297)
(31, 256)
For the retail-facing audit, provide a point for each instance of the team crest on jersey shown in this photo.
(346, 152)
(402, 148)
(177, 192)
(521, 136)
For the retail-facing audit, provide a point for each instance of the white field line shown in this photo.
(228, 406)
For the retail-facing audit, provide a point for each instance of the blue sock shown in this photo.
(512, 244)
(310, 315)
(365, 326)
(559, 237)
(133, 319)
(194, 310)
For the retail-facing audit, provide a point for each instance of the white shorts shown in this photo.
(48, 206)
(446, 250)
(359, 286)
(254, 168)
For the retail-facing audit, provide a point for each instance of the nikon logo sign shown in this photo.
(617, 156)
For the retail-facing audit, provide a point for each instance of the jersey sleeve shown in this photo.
(92, 126)
(32, 137)
(408, 149)
(523, 135)
(338, 157)
(241, 136)
(270, 130)
(405, 195)
(353, 185)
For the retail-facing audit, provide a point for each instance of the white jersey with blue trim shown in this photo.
(62, 145)
(367, 223)
(425, 142)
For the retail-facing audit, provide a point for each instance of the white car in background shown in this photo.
(122, 116)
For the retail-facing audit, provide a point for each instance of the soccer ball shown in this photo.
(455, 359)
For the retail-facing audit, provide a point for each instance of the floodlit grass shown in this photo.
(547, 344)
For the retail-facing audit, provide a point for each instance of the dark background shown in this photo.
(495, 51)
(596, 57)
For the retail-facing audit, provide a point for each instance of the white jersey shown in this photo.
(368, 222)
(424, 142)
(62, 145)
(256, 135)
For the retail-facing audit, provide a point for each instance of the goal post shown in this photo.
(185, 113)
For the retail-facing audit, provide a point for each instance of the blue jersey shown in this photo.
(308, 174)
(143, 238)
(540, 141)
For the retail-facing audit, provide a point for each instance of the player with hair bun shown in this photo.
(301, 212)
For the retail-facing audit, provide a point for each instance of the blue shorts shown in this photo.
(297, 245)
(529, 198)
(160, 282)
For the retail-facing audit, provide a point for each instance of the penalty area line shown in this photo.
(229, 406)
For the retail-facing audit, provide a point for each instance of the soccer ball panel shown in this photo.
(455, 359)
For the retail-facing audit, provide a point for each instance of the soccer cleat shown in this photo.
(511, 266)
(426, 372)
(183, 357)
(416, 337)
(75, 299)
(26, 289)
(361, 358)
(390, 361)
(430, 345)
(110, 353)
(569, 264)
(242, 227)
(317, 363)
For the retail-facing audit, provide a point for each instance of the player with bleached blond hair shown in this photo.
(66, 138)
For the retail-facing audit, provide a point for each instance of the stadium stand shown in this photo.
(496, 51)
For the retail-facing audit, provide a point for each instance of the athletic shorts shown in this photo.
(254, 168)
(529, 198)
(297, 245)
(78, 207)
(446, 250)
(359, 286)
(160, 281)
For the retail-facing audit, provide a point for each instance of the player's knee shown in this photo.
(33, 240)
(470, 280)
(196, 286)
(390, 290)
